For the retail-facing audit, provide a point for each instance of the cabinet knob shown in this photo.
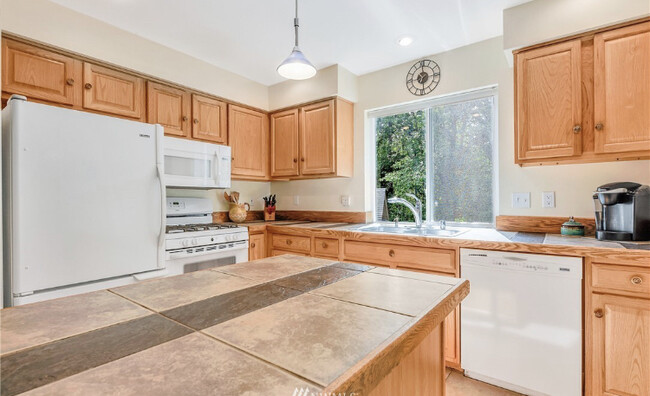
(253, 244)
(577, 129)
(636, 279)
(599, 126)
(598, 313)
(232, 158)
(184, 118)
(70, 81)
(88, 86)
(302, 159)
(295, 160)
(391, 253)
(196, 120)
(289, 241)
(324, 245)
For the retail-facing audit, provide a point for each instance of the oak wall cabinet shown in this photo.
(313, 140)
(209, 119)
(248, 137)
(585, 98)
(169, 107)
(113, 92)
(40, 74)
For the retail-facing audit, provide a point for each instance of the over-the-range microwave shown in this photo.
(193, 164)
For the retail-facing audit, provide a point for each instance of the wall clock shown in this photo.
(423, 77)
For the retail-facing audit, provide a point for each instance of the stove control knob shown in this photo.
(194, 242)
(185, 243)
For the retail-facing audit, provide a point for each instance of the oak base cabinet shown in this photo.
(256, 246)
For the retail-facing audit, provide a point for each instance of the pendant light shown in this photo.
(296, 66)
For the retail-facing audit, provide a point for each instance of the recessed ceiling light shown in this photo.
(405, 41)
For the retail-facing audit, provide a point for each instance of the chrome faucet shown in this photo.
(415, 209)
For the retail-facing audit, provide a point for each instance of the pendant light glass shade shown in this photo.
(296, 66)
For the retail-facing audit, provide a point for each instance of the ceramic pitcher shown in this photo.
(237, 212)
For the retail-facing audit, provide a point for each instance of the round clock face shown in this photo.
(423, 77)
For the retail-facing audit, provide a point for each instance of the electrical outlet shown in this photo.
(296, 200)
(345, 200)
(521, 200)
(548, 199)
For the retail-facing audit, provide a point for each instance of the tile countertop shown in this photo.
(484, 238)
(267, 328)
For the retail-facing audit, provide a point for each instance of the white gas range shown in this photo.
(193, 242)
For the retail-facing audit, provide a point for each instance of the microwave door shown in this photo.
(189, 169)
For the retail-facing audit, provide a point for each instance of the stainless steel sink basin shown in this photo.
(410, 230)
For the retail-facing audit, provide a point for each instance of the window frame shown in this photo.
(426, 105)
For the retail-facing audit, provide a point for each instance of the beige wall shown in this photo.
(56, 25)
(59, 26)
(543, 20)
(474, 66)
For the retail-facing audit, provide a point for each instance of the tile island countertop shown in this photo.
(265, 327)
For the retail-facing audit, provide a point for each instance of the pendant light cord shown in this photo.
(295, 24)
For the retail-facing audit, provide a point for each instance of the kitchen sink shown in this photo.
(411, 230)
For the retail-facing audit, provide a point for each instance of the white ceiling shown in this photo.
(252, 37)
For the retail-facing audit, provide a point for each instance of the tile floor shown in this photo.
(459, 385)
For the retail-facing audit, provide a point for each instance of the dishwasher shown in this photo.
(521, 324)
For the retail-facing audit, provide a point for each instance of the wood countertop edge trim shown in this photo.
(366, 374)
(635, 257)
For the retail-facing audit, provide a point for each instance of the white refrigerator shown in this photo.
(83, 201)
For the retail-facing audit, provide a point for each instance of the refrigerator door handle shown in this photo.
(161, 235)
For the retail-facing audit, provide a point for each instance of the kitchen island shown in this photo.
(271, 326)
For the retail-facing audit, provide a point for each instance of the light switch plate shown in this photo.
(345, 200)
(521, 200)
(548, 199)
(296, 200)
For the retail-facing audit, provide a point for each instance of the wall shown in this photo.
(53, 24)
(477, 65)
(544, 20)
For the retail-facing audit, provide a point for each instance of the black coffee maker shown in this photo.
(622, 212)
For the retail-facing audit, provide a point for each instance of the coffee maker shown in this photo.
(622, 212)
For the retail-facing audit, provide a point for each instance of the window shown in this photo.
(441, 151)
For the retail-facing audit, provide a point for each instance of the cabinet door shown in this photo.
(169, 107)
(622, 89)
(284, 143)
(209, 119)
(110, 91)
(257, 247)
(548, 102)
(317, 137)
(249, 140)
(621, 345)
(40, 74)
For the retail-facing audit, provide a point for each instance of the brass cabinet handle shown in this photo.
(70, 81)
(599, 126)
(636, 280)
(184, 118)
(88, 85)
(295, 160)
(289, 241)
(577, 129)
(324, 245)
(598, 313)
(253, 244)
(196, 120)
(391, 253)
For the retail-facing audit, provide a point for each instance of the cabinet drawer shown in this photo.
(292, 243)
(618, 278)
(400, 256)
(277, 252)
(326, 247)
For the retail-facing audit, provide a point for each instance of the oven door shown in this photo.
(181, 261)
(196, 164)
